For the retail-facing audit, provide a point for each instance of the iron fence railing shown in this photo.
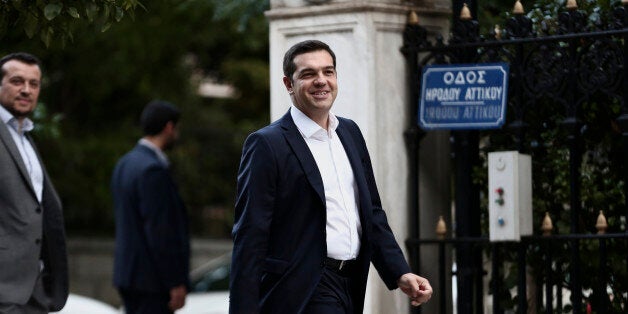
(579, 61)
(552, 290)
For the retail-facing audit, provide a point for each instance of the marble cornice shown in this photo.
(341, 8)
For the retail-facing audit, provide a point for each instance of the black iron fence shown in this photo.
(568, 109)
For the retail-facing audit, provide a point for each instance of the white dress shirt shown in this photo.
(341, 192)
(27, 151)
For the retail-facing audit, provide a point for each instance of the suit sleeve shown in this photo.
(387, 256)
(256, 190)
(164, 226)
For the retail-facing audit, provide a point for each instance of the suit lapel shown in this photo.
(356, 163)
(47, 183)
(7, 139)
(303, 153)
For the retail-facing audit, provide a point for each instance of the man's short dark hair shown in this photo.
(300, 48)
(156, 115)
(19, 56)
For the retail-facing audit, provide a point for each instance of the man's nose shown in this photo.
(320, 80)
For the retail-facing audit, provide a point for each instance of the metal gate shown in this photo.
(568, 109)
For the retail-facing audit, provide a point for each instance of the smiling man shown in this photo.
(33, 259)
(308, 218)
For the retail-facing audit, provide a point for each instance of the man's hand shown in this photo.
(177, 297)
(416, 287)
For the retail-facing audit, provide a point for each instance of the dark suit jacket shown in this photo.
(279, 230)
(29, 231)
(152, 243)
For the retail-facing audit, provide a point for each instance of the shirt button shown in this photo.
(37, 241)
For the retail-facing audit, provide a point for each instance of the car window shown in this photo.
(216, 279)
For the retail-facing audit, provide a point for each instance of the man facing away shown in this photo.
(33, 258)
(308, 217)
(152, 250)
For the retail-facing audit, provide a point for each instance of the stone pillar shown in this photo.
(366, 36)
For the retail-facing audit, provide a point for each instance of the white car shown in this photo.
(209, 291)
(78, 304)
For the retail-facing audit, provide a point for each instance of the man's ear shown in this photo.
(169, 127)
(288, 83)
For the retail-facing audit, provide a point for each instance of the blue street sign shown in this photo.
(463, 97)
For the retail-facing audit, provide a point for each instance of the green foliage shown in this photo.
(491, 13)
(543, 13)
(95, 88)
(58, 20)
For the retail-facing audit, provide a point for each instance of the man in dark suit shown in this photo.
(152, 243)
(33, 258)
(308, 217)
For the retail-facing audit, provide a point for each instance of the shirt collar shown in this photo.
(311, 129)
(9, 119)
(160, 154)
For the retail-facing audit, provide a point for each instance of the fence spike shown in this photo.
(546, 225)
(601, 225)
(465, 13)
(518, 8)
(413, 18)
(498, 31)
(441, 228)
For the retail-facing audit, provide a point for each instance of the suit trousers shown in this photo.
(139, 302)
(37, 304)
(331, 296)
